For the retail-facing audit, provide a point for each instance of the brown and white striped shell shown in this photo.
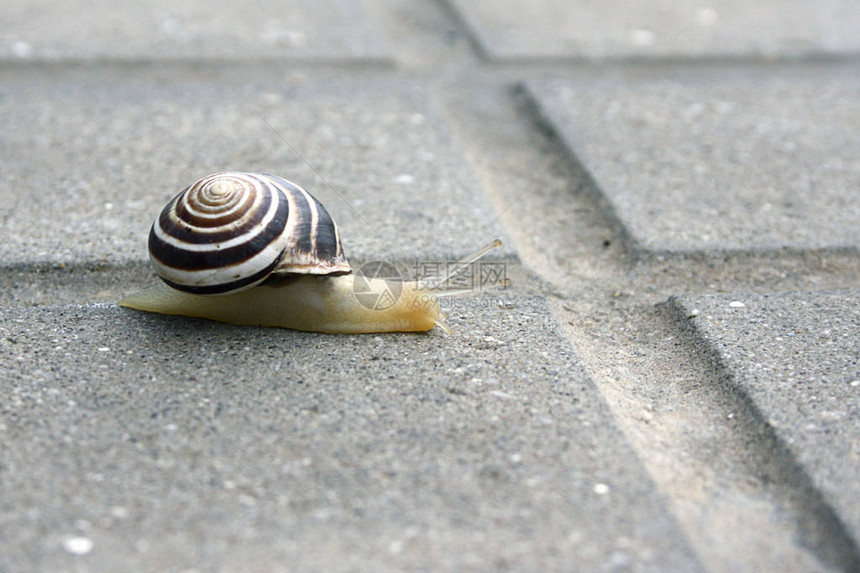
(230, 231)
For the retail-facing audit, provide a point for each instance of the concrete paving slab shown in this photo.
(796, 356)
(520, 29)
(719, 160)
(166, 29)
(146, 442)
(90, 160)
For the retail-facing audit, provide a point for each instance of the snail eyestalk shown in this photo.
(459, 268)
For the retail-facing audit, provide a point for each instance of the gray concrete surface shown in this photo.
(719, 160)
(177, 443)
(577, 421)
(92, 159)
(515, 30)
(160, 29)
(796, 356)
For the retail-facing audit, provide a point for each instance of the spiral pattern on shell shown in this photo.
(229, 231)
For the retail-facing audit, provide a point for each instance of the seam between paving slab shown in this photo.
(533, 111)
(639, 252)
(817, 520)
(705, 516)
(459, 21)
(678, 60)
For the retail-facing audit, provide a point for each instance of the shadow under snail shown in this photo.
(258, 250)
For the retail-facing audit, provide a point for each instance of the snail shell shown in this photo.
(230, 231)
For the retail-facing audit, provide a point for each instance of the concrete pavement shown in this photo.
(671, 383)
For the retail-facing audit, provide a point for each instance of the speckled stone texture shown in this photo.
(626, 153)
(92, 161)
(529, 29)
(797, 356)
(719, 160)
(163, 29)
(172, 443)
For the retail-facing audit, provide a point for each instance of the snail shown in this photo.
(256, 249)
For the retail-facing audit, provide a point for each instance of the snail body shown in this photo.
(256, 249)
(310, 303)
